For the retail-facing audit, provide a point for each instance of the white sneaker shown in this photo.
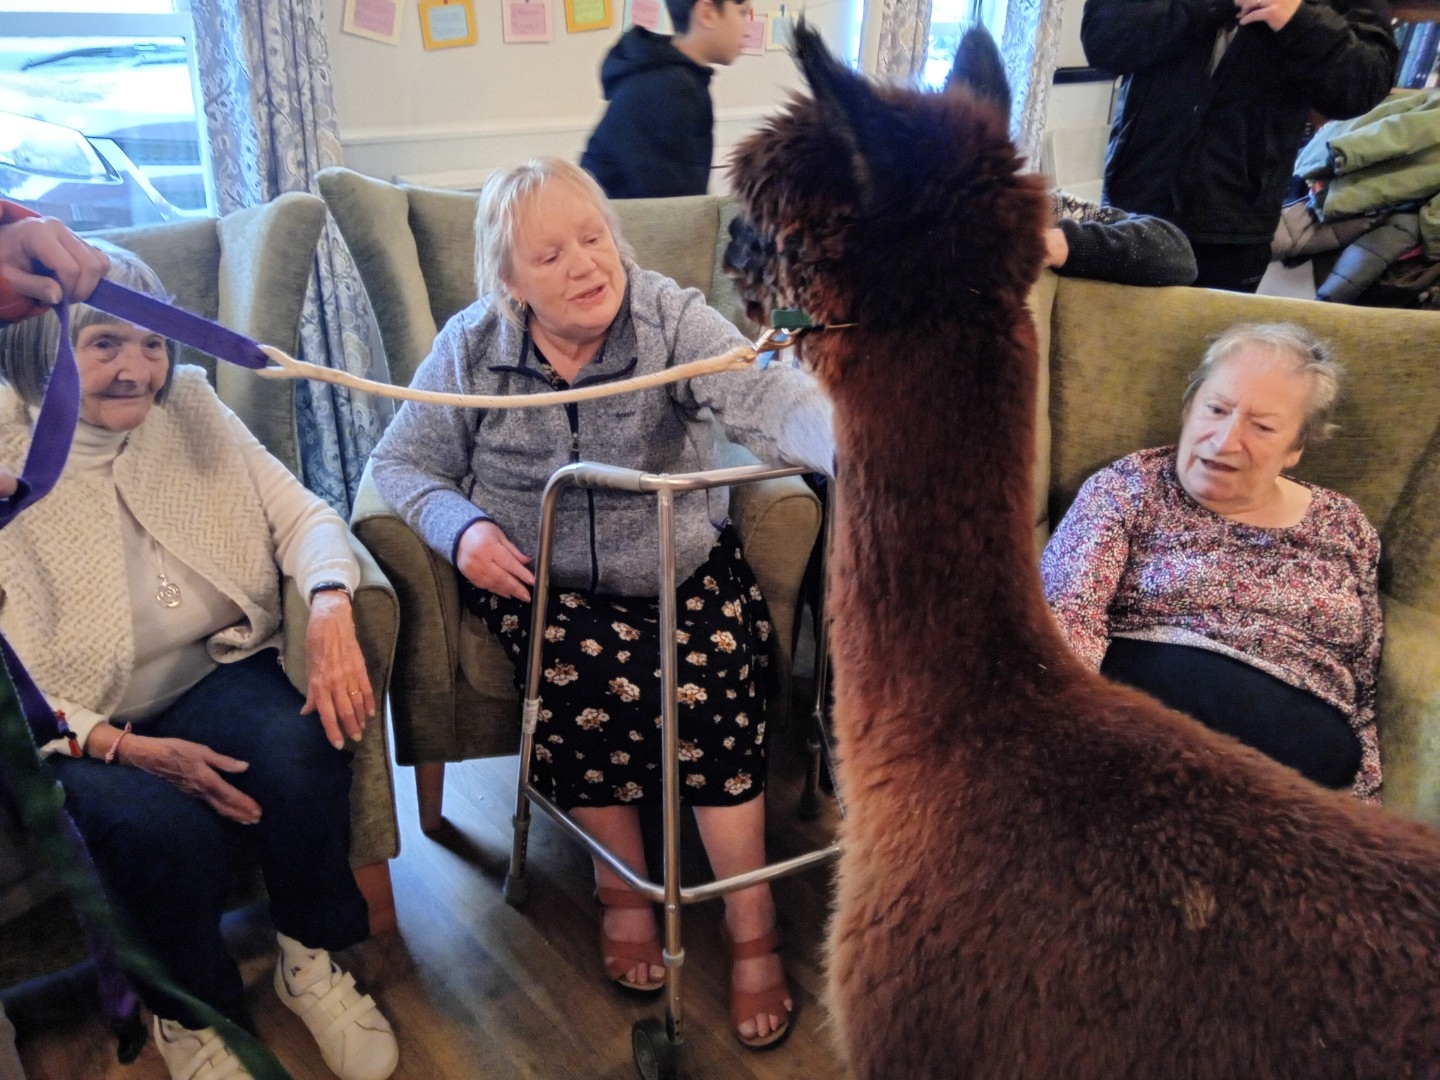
(196, 1055)
(355, 1040)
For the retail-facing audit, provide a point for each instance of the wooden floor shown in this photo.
(476, 988)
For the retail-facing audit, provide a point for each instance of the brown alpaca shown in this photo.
(1045, 875)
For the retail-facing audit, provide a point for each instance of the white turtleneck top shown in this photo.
(171, 656)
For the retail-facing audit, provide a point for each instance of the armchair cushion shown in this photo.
(374, 218)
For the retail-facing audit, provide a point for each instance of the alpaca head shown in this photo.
(894, 209)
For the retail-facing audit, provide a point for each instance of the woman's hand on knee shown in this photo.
(337, 684)
(490, 561)
(195, 769)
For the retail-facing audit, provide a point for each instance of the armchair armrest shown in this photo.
(778, 521)
(374, 830)
(427, 657)
(1408, 711)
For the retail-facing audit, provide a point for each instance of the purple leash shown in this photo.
(157, 315)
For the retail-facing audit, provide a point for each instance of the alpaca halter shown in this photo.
(787, 327)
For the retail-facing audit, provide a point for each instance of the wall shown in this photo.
(1077, 124)
(446, 116)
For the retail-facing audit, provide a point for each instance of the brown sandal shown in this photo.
(746, 1005)
(620, 956)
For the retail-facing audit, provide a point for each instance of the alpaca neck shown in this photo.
(935, 563)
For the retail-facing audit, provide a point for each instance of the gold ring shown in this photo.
(356, 693)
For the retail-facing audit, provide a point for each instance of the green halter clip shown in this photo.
(791, 319)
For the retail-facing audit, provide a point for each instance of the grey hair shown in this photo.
(1314, 359)
(27, 348)
(496, 214)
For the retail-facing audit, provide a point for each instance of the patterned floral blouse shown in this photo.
(1137, 557)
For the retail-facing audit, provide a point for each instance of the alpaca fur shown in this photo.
(1045, 875)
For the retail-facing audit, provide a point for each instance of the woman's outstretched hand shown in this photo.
(490, 561)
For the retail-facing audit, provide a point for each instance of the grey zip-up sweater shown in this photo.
(443, 468)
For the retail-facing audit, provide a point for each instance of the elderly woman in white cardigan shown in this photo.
(143, 596)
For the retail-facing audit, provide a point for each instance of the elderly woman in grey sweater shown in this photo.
(561, 304)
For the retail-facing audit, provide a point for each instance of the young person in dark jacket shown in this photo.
(658, 133)
(1213, 107)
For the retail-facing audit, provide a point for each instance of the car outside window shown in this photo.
(101, 128)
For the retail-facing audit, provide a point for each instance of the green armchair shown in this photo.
(452, 695)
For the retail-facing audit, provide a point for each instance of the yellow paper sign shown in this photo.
(587, 15)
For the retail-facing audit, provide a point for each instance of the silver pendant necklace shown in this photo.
(167, 593)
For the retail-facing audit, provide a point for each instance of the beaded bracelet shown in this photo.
(115, 746)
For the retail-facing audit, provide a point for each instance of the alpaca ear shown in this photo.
(850, 110)
(979, 69)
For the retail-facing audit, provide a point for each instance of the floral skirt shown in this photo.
(598, 738)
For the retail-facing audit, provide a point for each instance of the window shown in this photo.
(99, 123)
(948, 20)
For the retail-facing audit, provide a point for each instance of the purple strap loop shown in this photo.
(54, 429)
(173, 322)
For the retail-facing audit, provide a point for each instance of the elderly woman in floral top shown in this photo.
(1204, 576)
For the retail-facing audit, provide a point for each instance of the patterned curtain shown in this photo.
(265, 72)
(904, 40)
(1029, 47)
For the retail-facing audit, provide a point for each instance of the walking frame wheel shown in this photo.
(657, 1056)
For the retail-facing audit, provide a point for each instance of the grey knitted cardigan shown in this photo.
(443, 468)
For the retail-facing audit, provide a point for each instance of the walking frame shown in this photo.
(656, 1045)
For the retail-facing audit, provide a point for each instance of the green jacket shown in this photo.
(1389, 156)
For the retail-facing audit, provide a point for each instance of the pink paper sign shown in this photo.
(377, 16)
(378, 20)
(527, 20)
(645, 13)
(755, 34)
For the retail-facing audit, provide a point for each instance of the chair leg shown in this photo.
(374, 882)
(430, 793)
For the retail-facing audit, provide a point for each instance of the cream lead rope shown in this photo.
(736, 359)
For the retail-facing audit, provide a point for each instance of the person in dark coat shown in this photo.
(657, 136)
(1213, 106)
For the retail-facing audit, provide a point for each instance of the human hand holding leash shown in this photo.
(74, 266)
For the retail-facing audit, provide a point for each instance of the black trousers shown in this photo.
(1232, 267)
(169, 861)
(1290, 725)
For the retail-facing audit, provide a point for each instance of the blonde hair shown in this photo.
(27, 348)
(1314, 360)
(496, 221)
